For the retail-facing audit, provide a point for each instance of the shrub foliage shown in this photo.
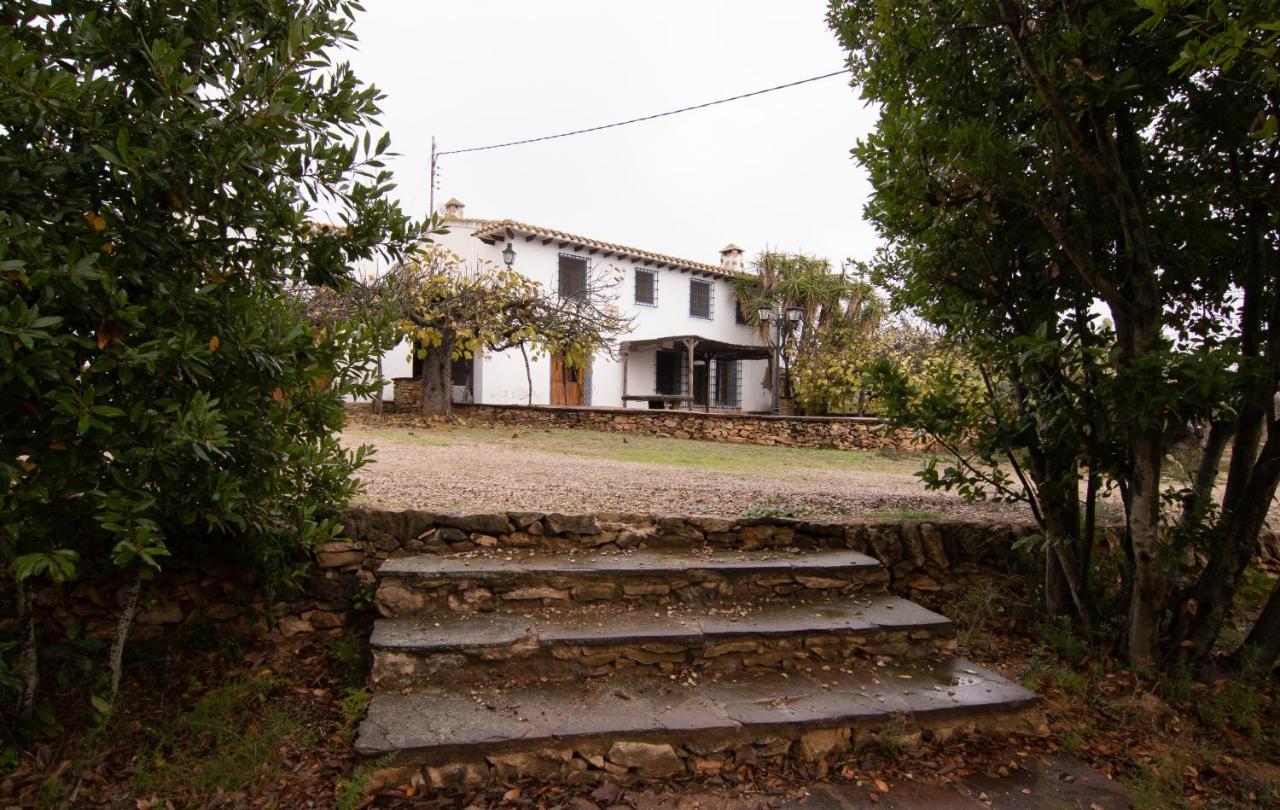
(167, 166)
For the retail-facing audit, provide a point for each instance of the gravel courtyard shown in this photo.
(489, 468)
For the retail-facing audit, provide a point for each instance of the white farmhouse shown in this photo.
(689, 344)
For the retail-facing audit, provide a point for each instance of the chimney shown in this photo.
(453, 208)
(731, 258)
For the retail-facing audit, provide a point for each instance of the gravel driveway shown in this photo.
(488, 470)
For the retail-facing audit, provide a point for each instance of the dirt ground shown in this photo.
(481, 469)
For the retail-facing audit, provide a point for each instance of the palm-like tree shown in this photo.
(834, 303)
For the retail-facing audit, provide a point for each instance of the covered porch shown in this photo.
(686, 371)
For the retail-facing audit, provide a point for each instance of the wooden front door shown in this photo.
(566, 382)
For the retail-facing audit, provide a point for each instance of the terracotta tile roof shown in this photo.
(499, 228)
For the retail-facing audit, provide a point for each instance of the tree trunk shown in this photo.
(1126, 549)
(1215, 443)
(1056, 471)
(528, 374)
(1253, 473)
(1057, 591)
(1238, 544)
(1261, 649)
(377, 395)
(1059, 509)
(122, 635)
(1087, 539)
(28, 658)
(437, 383)
(1064, 595)
(1146, 601)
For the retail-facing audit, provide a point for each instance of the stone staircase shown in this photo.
(588, 665)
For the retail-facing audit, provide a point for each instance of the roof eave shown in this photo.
(506, 229)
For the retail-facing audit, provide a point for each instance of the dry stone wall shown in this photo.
(811, 432)
(919, 556)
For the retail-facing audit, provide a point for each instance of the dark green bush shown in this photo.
(166, 165)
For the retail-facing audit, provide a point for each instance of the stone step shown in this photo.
(581, 641)
(600, 728)
(509, 580)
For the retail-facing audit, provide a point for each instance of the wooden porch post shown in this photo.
(626, 354)
(689, 344)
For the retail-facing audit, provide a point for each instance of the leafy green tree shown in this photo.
(1228, 129)
(165, 163)
(1040, 166)
(368, 301)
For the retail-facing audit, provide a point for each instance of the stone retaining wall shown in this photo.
(812, 432)
(920, 557)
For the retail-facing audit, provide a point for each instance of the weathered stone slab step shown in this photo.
(580, 641)
(599, 728)
(511, 579)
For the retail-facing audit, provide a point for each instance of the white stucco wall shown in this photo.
(500, 376)
(755, 397)
(396, 363)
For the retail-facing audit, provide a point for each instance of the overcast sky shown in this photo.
(768, 171)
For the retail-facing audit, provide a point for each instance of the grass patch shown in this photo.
(904, 514)
(636, 449)
(231, 740)
(53, 793)
(353, 705)
(1240, 704)
(351, 792)
(1159, 786)
(1060, 636)
(892, 738)
(764, 510)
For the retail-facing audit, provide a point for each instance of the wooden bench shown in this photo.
(667, 401)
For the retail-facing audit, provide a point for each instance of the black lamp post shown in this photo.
(509, 255)
(782, 320)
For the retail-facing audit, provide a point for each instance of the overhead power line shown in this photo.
(644, 118)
